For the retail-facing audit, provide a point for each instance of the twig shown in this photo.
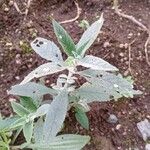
(131, 18)
(146, 49)
(17, 8)
(77, 16)
(129, 54)
(27, 8)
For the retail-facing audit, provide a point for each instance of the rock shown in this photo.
(147, 147)
(6, 9)
(112, 119)
(106, 44)
(10, 3)
(144, 128)
(118, 126)
(121, 54)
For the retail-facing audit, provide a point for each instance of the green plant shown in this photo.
(40, 121)
(84, 24)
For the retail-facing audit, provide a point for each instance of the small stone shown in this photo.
(126, 45)
(6, 9)
(130, 35)
(112, 119)
(118, 126)
(17, 78)
(121, 46)
(18, 61)
(10, 3)
(121, 54)
(8, 44)
(147, 147)
(106, 44)
(12, 100)
(144, 128)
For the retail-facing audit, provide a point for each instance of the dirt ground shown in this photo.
(17, 60)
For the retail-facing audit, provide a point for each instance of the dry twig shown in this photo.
(77, 16)
(131, 18)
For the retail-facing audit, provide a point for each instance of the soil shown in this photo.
(17, 60)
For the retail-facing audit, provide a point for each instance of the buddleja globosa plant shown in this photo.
(41, 122)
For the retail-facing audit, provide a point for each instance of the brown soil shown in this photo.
(17, 61)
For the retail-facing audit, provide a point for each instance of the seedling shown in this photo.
(40, 121)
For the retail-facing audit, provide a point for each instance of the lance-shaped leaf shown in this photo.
(64, 39)
(5, 123)
(103, 86)
(82, 118)
(38, 130)
(28, 131)
(47, 49)
(31, 89)
(55, 116)
(43, 70)
(28, 103)
(19, 109)
(63, 142)
(96, 63)
(89, 36)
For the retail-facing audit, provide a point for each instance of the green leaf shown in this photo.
(33, 90)
(15, 124)
(55, 116)
(96, 63)
(43, 70)
(5, 123)
(63, 142)
(38, 130)
(89, 36)
(28, 103)
(47, 49)
(82, 118)
(104, 86)
(42, 110)
(28, 131)
(19, 109)
(64, 39)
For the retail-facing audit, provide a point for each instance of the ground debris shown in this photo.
(144, 128)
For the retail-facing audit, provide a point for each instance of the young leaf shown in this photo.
(82, 118)
(89, 36)
(55, 116)
(42, 110)
(63, 142)
(47, 49)
(64, 39)
(19, 109)
(31, 89)
(28, 131)
(96, 63)
(43, 70)
(28, 103)
(38, 130)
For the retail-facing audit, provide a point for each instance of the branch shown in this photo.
(131, 18)
(77, 16)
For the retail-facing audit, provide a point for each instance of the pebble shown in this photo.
(121, 54)
(17, 78)
(144, 128)
(147, 147)
(118, 126)
(9, 44)
(106, 44)
(112, 119)
(6, 9)
(10, 3)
